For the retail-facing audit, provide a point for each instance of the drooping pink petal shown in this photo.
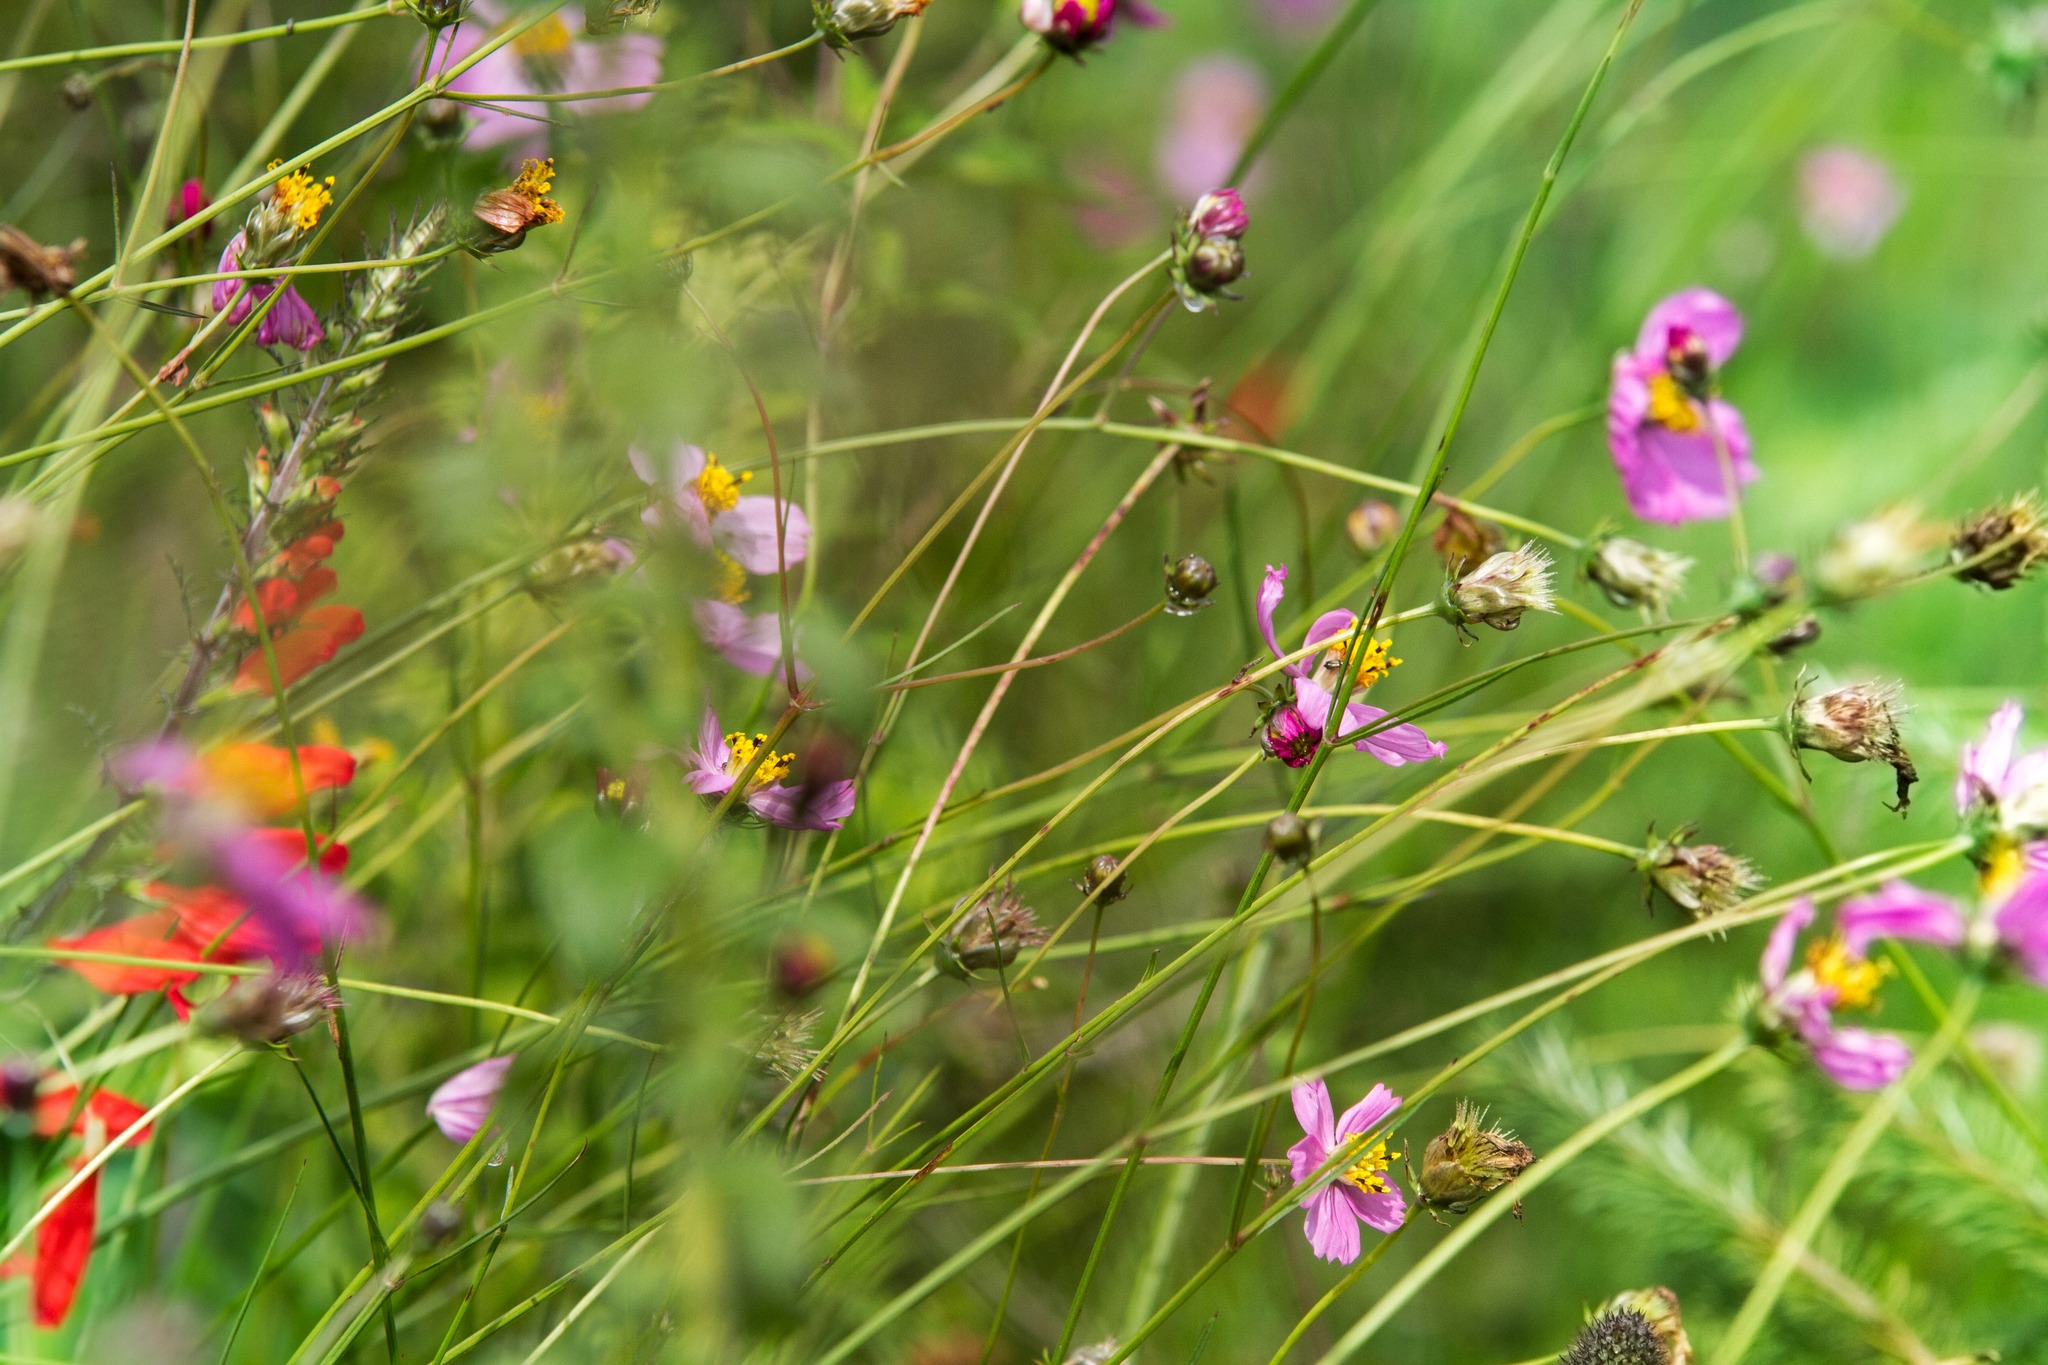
(1272, 588)
(675, 480)
(1777, 958)
(820, 806)
(707, 762)
(1900, 910)
(1317, 1116)
(1329, 626)
(747, 533)
(462, 1104)
(1985, 764)
(1332, 1226)
(1394, 746)
(752, 644)
(291, 321)
(1858, 1059)
(1700, 311)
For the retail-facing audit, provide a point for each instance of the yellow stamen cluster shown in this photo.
(2004, 864)
(536, 178)
(718, 488)
(300, 198)
(1855, 979)
(1376, 662)
(1669, 406)
(730, 582)
(1369, 1172)
(773, 768)
(548, 38)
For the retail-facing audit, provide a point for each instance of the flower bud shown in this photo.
(1798, 635)
(263, 1010)
(1189, 581)
(1292, 839)
(622, 797)
(1461, 540)
(1633, 574)
(991, 934)
(438, 14)
(76, 92)
(800, 964)
(189, 200)
(440, 124)
(1870, 555)
(507, 214)
(1069, 26)
(1659, 1308)
(1465, 1163)
(1700, 879)
(1858, 723)
(35, 269)
(1219, 213)
(846, 22)
(1207, 253)
(1290, 736)
(2001, 544)
(1501, 589)
(1103, 879)
(1214, 262)
(1620, 1337)
(1372, 524)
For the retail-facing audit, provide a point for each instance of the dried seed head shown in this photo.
(1617, 1338)
(1858, 723)
(269, 1009)
(1465, 1162)
(1462, 541)
(2001, 544)
(1292, 839)
(786, 1049)
(19, 1077)
(35, 269)
(76, 92)
(507, 214)
(1869, 555)
(1659, 1308)
(1189, 581)
(1633, 574)
(1372, 524)
(846, 22)
(1501, 589)
(991, 934)
(1102, 872)
(1700, 879)
(1798, 635)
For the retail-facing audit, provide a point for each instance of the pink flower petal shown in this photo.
(1777, 958)
(462, 1104)
(1703, 312)
(1900, 910)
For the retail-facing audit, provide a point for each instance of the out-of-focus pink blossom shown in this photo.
(188, 201)
(554, 56)
(1803, 1003)
(1315, 679)
(1848, 201)
(462, 1104)
(1213, 106)
(1363, 1192)
(1668, 429)
(290, 322)
(719, 759)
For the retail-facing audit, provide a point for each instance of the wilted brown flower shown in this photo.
(28, 265)
(1465, 1163)
(2001, 544)
(1372, 524)
(507, 214)
(1700, 879)
(991, 934)
(1858, 723)
(269, 1009)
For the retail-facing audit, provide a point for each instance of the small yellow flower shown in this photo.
(731, 582)
(1855, 979)
(300, 198)
(1369, 1172)
(718, 488)
(1669, 407)
(548, 38)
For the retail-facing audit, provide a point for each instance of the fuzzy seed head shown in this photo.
(990, 934)
(1466, 1162)
(1858, 723)
(1616, 1338)
(1503, 587)
(1659, 1308)
(35, 269)
(263, 1010)
(786, 1049)
(2001, 544)
(845, 22)
(1700, 879)
(1633, 574)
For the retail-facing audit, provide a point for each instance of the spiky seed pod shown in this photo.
(1102, 872)
(1633, 574)
(28, 265)
(1617, 1338)
(990, 934)
(1857, 724)
(1465, 1162)
(1189, 582)
(2001, 544)
(1658, 1307)
(1502, 588)
(1700, 879)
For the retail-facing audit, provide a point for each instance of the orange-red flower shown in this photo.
(258, 777)
(303, 636)
(63, 1251)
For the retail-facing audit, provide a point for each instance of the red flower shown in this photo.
(152, 935)
(63, 1251)
(308, 641)
(303, 636)
(108, 1111)
(258, 777)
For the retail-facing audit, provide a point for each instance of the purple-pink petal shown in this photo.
(1332, 1226)
(1986, 763)
(1314, 1112)
(2022, 925)
(461, 1104)
(1777, 958)
(1858, 1059)
(804, 805)
(1900, 910)
(291, 322)
(752, 644)
(293, 905)
(707, 762)
(1272, 588)
(747, 534)
(1329, 626)
(1367, 1114)
(609, 64)
(1397, 744)
(1702, 312)
(1672, 477)
(166, 764)
(1382, 1212)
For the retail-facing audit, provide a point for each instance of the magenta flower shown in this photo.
(1071, 26)
(1215, 103)
(1315, 681)
(1290, 736)
(718, 760)
(462, 1104)
(2005, 795)
(291, 322)
(1667, 427)
(704, 496)
(1899, 910)
(1848, 201)
(188, 201)
(1219, 213)
(2014, 922)
(1803, 1003)
(1362, 1193)
(552, 57)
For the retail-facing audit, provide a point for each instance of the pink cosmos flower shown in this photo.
(552, 57)
(292, 322)
(1804, 1003)
(1315, 680)
(2014, 921)
(1071, 26)
(1215, 103)
(462, 1104)
(1667, 427)
(1362, 1193)
(1848, 201)
(2001, 791)
(719, 759)
(704, 496)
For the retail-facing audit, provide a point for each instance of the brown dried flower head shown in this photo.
(1466, 1162)
(1857, 724)
(1700, 879)
(28, 265)
(509, 213)
(1462, 540)
(990, 934)
(2001, 544)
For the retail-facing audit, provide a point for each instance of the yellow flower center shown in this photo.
(301, 198)
(1374, 662)
(731, 581)
(548, 38)
(773, 767)
(718, 488)
(1669, 407)
(615, 790)
(2004, 864)
(1369, 1172)
(536, 178)
(1855, 979)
